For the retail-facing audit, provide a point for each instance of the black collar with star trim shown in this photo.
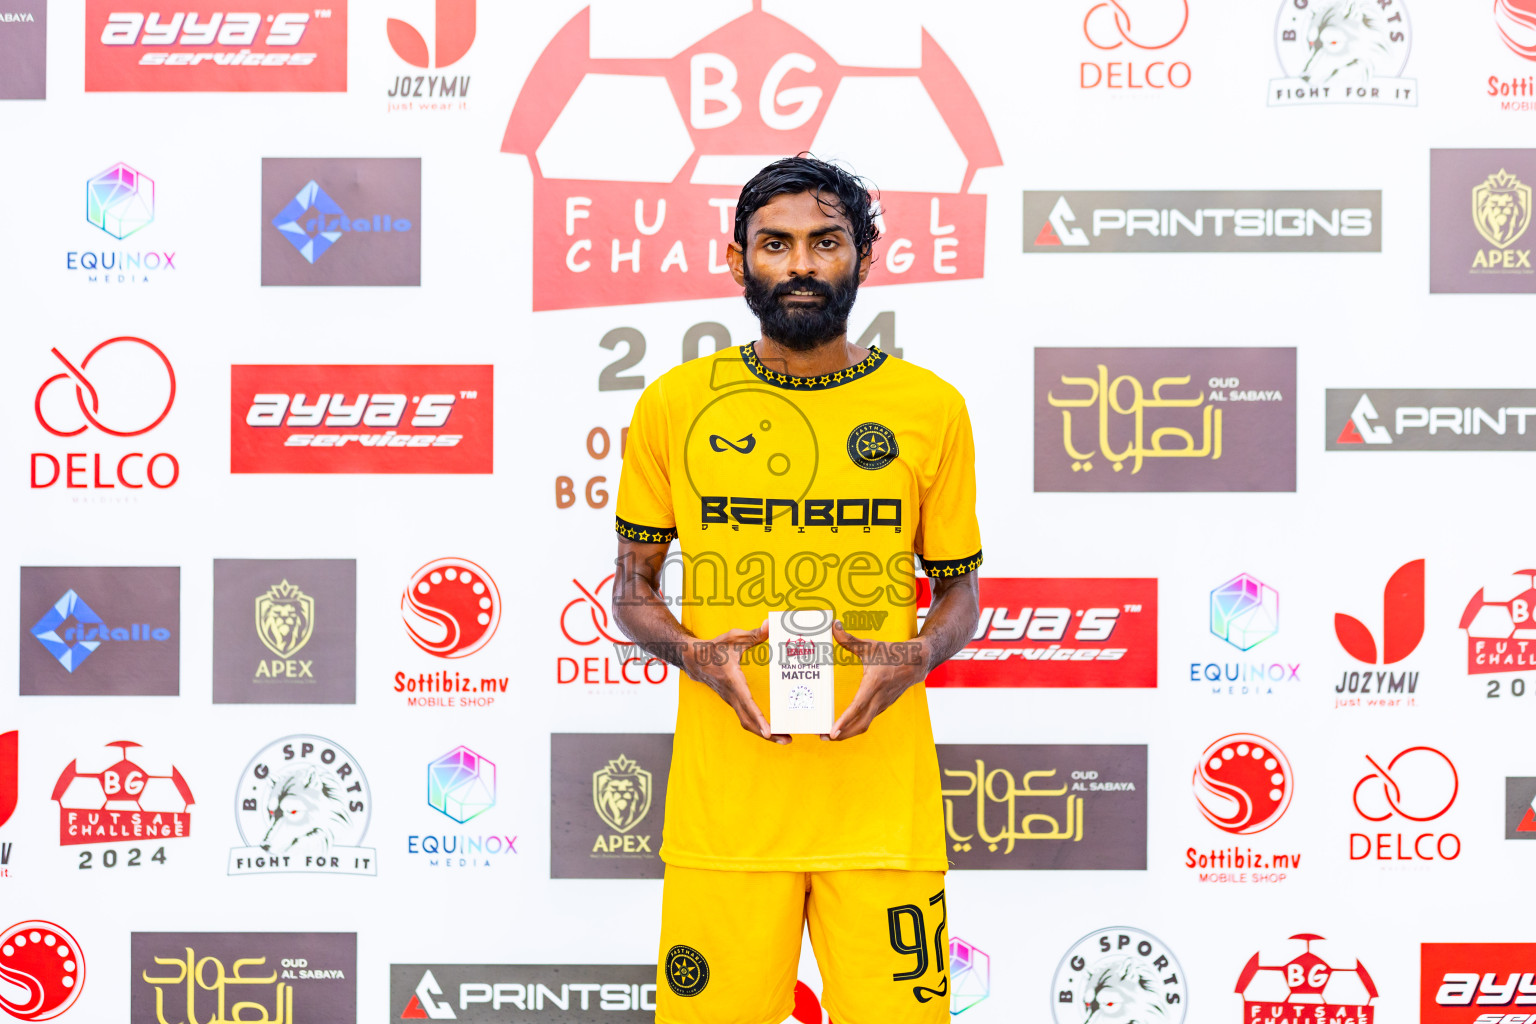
(862, 368)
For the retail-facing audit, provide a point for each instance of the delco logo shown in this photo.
(266, 47)
(1056, 632)
(637, 161)
(361, 419)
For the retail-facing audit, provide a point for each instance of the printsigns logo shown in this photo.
(1243, 783)
(1343, 51)
(1476, 982)
(123, 387)
(303, 804)
(1119, 974)
(498, 993)
(1045, 807)
(24, 50)
(204, 975)
(368, 210)
(361, 419)
(100, 631)
(123, 802)
(1306, 987)
(1479, 210)
(120, 200)
(1431, 420)
(1198, 221)
(609, 791)
(643, 214)
(1056, 632)
(44, 970)
(1165, 419)
(284, 631)
(1500, 636)
(269, 46)
(1402, 620)
(1519, 808)
(451, 607)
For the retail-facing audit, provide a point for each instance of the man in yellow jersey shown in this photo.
(801, 472)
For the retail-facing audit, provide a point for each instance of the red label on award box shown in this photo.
(1057, 632)
(360, 419)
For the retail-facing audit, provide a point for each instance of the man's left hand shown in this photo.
(889, 669)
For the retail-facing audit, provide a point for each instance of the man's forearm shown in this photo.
(639, 608)
(951, 619)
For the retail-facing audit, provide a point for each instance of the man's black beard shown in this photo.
(802, 327)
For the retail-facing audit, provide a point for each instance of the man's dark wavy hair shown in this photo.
(836, 189)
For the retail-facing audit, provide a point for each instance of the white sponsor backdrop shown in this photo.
(1356, 319)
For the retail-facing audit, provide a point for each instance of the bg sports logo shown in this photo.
(267, 46)
(1057, 632)
(360, 419)
(637, 162)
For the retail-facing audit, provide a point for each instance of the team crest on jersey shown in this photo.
(872, 445)
(687, 971)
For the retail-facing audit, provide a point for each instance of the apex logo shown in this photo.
(422, 1005)
(454, 29)
(1402, 620)
(1056, 231)
(1360, 430)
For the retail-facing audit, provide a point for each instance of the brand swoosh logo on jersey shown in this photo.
(743, 446)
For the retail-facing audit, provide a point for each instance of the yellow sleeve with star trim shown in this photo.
(644, 506)
(948, 537)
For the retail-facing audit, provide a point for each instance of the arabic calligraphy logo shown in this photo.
(1245, 611)
(621, 793)
(984, 787)
(1243, 783)
(1106, 394)
(1419, 784)
(1516, 22)
(285, 619)
(1157, 20)
(1402, 618)
(1501, 208)
(1359, 429)
(454, 28)
(1119, 974)
(45, 961)
(192, 973)
(451, 607)
(597, 611)
(120, 200)
(132, 390)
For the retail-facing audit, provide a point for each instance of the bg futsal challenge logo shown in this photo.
(633, 195)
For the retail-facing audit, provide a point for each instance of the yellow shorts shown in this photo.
(730, 945)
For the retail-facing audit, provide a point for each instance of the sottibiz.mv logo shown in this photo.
(42, 971)
(360, 419)
(638, 161)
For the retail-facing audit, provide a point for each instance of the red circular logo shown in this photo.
(45, 960)
(89, 398)
(451, 607)
(1243, 783)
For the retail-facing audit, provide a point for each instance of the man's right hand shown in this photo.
(717, 664)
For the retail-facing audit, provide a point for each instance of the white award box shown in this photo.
(800, 690)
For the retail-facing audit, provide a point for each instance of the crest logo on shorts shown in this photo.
(687, 971)
(621, 793)
(872, 445)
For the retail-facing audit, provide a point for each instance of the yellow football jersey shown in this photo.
(799, 492)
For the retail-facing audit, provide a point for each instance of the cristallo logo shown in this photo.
(637, 162)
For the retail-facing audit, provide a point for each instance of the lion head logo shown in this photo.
(1501, 208)
(285, 619)
(621, 793)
